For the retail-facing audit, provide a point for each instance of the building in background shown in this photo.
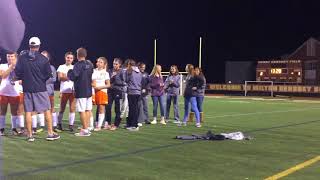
(300, 67)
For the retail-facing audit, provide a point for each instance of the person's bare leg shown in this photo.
(83, 118)
(48, 117)
(29, 123)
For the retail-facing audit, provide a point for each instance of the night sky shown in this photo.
(232, 30)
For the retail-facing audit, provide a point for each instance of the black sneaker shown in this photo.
(15, 132)
(30, 139)
(34, 130)
(147, 122)
(53, 137)
(71, 128)
(60, 127)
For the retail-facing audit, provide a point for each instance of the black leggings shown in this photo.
(133, 101)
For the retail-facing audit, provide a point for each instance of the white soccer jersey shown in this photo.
(6, 88)
(100, 76)
(65, 86)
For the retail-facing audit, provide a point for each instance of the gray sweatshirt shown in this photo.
(172, 85)
(133, 80)
(50, 82)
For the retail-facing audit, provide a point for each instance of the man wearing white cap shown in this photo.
(34, 70)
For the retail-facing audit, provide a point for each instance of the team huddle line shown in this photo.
(27, 85)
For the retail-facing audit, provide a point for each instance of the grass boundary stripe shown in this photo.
(294, 169)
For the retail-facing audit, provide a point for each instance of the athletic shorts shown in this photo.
(83, 104)
(101, 98)
(21, 98)
(36, 102)
(9, 100)
(67, 96)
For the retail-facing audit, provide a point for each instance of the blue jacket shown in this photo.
(172, 85)
(81, 75)
(133, 80)
(34, 70)
(50, 82)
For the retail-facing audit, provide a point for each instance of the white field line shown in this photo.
(255, 113)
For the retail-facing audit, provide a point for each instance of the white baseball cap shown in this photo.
(34, 41)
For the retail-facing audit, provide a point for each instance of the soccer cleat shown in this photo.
(198, 125)
(71, 128)
(40, 130)
(60, 127)
(82, 133)
(134, 129)
(15, 132)
(53, 137)
(128, 128)
(34, 130)
(139, 124)
(30, 139)
(55, 129)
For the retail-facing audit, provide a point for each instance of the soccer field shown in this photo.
(285, 132)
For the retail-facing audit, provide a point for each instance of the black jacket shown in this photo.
(117, 81)
(193, 81)
(81, 75)
(34, 70)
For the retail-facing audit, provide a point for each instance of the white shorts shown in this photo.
(83, 104)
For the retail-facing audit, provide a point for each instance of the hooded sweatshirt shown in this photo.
(34, 70)
(133, 80)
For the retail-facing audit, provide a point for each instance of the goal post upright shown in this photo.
(155, 53)
(200, 52)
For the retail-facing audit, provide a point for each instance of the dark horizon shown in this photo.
(244, 30)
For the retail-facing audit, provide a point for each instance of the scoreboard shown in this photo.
(285, 71)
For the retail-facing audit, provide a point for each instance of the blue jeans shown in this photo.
(144, 113)
(193, 101)
(200, 103)
(155, 100)
(175, 105)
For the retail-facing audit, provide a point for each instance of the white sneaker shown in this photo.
(134, 129)
(198, 125)
(91, 128)
(176, 122)
(139, 124)
(154, 121)
(163, 121)
(82, 133)
(182, 124)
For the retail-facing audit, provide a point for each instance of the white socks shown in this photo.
(34, 121)
(40, 118)
(91, 122)
(14, 122)
(100, 120)
(21, 121)
(2, 122)
(72, 116)
(54, 119)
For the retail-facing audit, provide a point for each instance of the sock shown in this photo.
(100, 119)
(72, 116)
(21, 121)
(91, 122)
(106, 123)
(60, 116)
(13, 122)
(2, 122)
(34, 121)
(54, 119)
(40, 118)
